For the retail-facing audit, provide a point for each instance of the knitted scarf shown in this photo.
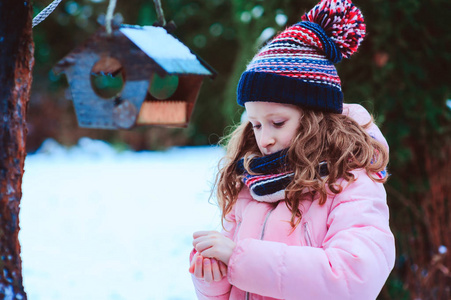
(274, 175)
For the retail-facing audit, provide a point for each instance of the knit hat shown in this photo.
(297, 66)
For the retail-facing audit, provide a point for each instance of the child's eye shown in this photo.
(279, 124)
(256, 126)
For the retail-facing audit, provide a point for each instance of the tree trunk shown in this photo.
(16, 62)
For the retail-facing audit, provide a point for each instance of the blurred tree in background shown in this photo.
(401, 74)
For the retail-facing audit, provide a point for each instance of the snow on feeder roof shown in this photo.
(136, 76)
(168, 52)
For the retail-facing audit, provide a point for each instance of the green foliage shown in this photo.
(163, 87)
(107, 86)
(397, 291)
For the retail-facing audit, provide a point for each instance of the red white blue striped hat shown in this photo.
(297, 66)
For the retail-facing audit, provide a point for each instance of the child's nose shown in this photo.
(266, 139)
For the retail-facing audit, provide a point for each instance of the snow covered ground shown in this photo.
(101, 224)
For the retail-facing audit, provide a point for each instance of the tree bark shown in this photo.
(16, 63)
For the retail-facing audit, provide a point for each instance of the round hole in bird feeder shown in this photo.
(107, 77)
(163, 87)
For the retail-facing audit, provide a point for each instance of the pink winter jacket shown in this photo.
(343, 249)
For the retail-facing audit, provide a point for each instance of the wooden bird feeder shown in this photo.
(136, 76)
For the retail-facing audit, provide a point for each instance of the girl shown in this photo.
(301, 188)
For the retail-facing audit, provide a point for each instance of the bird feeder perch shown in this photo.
(137, 76)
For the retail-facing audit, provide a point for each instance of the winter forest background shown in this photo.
(400, 74)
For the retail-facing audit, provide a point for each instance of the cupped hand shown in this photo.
(207, 269)
(214, 245)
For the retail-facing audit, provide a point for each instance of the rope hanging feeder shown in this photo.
(160, 14)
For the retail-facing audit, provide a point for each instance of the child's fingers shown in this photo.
(209, 252)
(192, 263)
(215, 270)
(208, 277)
(223, 268)
(200, 233)
(203, 245)
(199, 240)
(198, 267)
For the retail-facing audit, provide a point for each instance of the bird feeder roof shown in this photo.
(167, 51)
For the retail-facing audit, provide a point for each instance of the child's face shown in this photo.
(275, 125)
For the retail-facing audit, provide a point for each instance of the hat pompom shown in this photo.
(342, 21)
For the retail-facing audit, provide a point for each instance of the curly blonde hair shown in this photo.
(335, 138)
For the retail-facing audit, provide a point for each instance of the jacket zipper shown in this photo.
(264, 224)
(236, 230)
(262, 236)
(308, 239)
